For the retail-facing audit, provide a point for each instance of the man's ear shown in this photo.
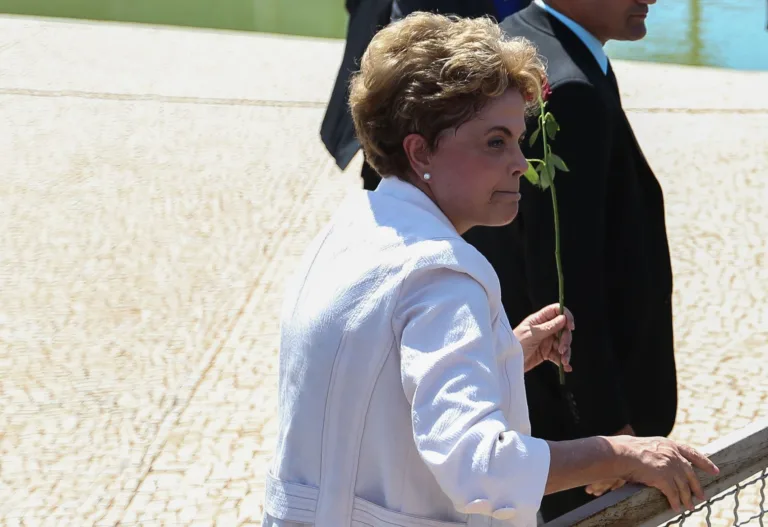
(418, 152)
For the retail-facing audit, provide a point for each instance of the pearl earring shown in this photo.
(427, 176)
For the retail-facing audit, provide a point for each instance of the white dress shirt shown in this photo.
(401, 394)
(593, 44)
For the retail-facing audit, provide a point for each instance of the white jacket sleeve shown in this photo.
(454, 381)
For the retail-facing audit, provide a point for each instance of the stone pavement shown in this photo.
(158, 185)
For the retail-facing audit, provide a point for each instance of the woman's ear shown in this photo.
(417, 150)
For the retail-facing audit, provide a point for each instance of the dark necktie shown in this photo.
(612, 77)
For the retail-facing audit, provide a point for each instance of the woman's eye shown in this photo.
(496, 143)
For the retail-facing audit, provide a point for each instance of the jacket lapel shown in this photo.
(576, 50)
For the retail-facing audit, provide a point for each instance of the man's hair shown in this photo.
(427, 73)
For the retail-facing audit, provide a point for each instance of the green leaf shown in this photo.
(534, 136)
(531, 175)
(547, 176)
(552, 127)
(559, 163)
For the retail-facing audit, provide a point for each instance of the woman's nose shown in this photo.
(521, 163)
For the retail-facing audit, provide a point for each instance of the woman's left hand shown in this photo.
(538, 336)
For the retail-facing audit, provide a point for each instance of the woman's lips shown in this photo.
(510, 193)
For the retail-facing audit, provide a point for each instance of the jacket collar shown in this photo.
(544, 22)
(593, 44)
(398, 189)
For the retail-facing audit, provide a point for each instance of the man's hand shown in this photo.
(609, 485)
(626, 431)
(538, 336)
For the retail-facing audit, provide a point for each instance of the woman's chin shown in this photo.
(503, 217)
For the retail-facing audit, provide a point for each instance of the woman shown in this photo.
(401, 398)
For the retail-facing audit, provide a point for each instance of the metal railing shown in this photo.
(736, 496)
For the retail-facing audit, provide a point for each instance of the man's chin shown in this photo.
(636, 30)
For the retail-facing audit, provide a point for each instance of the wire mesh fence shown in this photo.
(737, 496)
(743, 504)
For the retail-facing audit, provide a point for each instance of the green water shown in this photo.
(721, 33)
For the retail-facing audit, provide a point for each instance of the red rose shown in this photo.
(546, 91)
(529, 97)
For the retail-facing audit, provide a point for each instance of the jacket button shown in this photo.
(478, 507)
(506, 513)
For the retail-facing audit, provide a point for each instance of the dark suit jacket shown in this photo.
(366, 17)
(465, 8)
(618, 279)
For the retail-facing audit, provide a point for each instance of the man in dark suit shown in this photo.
(616, 264)
(465, 8)
(365, 18)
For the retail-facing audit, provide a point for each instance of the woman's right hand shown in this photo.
(664, 464)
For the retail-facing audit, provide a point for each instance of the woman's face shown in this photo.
(475, 169)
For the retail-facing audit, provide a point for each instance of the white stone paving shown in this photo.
(159, 184)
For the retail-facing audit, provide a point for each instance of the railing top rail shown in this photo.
(739, 455)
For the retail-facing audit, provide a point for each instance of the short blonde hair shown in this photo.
(427, 73)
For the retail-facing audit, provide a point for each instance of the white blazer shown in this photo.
(401, 395)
